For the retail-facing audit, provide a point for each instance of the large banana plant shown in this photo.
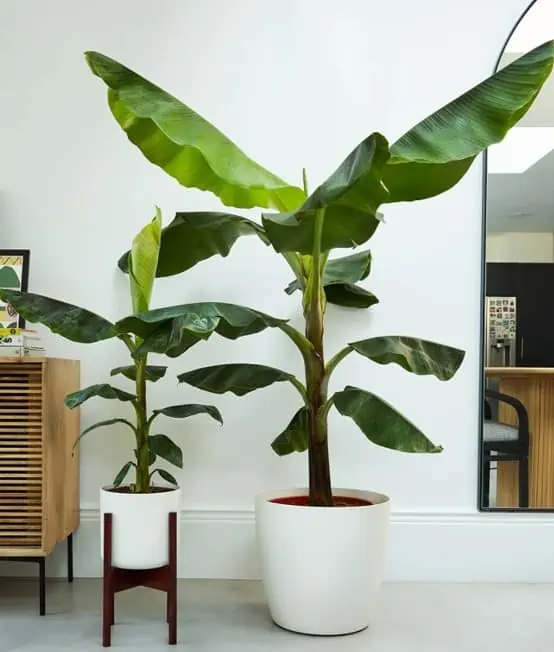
(341, 213)
(171, 330)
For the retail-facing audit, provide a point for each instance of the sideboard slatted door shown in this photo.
(21, 471)
(39, 474)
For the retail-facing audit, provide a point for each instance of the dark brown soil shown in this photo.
(129, 490)
(338, 501)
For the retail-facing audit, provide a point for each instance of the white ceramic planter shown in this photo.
(140, 536)
(322, 566)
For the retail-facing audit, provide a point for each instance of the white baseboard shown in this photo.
(424, 547)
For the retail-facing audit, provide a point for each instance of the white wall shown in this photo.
(520, 248)
(295, 84)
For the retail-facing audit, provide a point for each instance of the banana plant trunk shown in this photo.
(320, 494)
(142, 484)
(318, 451)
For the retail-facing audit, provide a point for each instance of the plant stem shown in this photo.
(336, 359)
(300, 388)
(318, 451)
(142, 484)
(295, 263)
(128, 341)
(301, 341)
(293, 259)
(305, 181)
(314, 312)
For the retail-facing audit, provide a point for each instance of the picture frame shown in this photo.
(14, 275)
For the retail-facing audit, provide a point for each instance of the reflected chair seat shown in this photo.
(506, 443)
(493, 431)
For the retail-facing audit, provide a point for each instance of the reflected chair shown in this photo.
(505, 443)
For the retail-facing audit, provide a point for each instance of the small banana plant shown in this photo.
(173, 330)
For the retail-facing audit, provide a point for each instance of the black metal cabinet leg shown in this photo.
(42, 585)
(70, 558)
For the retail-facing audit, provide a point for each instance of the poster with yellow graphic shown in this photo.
(14, 274)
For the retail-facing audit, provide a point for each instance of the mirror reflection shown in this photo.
(517, 460)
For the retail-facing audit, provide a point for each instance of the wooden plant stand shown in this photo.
(120, 579)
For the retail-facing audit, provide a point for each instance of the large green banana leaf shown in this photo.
(189, 410)
(153, 373)
(193, 237)
(350, 198)
(172, 328)
(71, 322)
(381, 423)
(185, 145)
(434, 155)
(421, 357)
(343, 227)
(144, 262)
(102, 390)
(238, 378)
(172, 338)
(357, 181)
(428, 160)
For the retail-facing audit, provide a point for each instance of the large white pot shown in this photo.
(322, 566)
(140, 533)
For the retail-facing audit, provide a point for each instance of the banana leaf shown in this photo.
(420, 357)
(144, 262)
(183, 325)
(381, 423)
(240, 379)
(69, 321)
(185, 145)
(193, 237)
(350, 198)
(434, 155)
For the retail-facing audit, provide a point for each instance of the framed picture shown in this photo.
(14, 275)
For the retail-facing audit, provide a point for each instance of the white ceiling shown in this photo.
(522, 202)
(525, 202)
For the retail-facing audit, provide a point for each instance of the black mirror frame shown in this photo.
(480, 508)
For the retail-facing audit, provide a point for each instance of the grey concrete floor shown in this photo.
(222, 616)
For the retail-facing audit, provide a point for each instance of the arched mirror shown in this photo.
(517, 441)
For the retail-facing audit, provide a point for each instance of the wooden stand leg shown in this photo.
(120, 579)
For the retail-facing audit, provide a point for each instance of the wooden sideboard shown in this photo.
(39, 471)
